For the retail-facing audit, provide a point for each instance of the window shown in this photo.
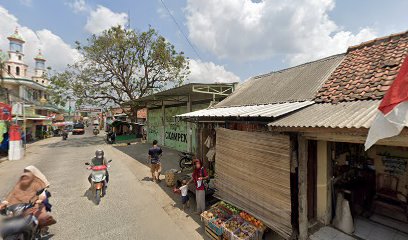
(8, 69)
(19, 57)
(18, 71)
(42, 81)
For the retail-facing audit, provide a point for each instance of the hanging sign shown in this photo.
(17, 109)
(5, 112)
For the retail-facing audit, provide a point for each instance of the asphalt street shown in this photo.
(134, 207)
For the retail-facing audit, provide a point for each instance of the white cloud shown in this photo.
(78, 5)
(103, 18)
(26, 2)
(245, 30)
(208, 72)
(55, 50)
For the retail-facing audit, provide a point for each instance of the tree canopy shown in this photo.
(119, 66)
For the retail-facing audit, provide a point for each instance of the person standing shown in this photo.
(155, 154)
(199, 175)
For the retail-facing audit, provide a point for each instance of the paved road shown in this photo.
(134, 208)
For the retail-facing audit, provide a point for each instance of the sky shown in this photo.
(227, 40)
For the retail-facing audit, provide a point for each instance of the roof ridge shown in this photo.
(300, 65)
(376, 40)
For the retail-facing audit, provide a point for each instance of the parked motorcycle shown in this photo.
(110, 138)
(186, 160)
(98, 181)
(95, 131)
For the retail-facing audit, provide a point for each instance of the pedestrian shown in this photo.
(199, 175)
(155, 154)
(4, 146)
(185, 200)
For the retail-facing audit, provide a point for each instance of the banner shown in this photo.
(5, 112)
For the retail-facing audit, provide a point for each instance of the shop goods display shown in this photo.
(245, 231)
(216, 225)
(249, 218)
(231, 226)
(232, 208)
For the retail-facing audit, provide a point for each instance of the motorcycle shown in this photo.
(110, 138)
(98, 181)
(186, 160)
(95, 131)
(17, 226)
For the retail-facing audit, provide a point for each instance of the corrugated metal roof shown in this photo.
(267, 110)
(358, 114)
(298, 83)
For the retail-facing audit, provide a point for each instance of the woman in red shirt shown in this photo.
(199, 175)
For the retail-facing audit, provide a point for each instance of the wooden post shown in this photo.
(189, 129)
(302, 177)
(163, 132)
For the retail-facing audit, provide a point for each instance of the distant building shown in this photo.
(25, 85)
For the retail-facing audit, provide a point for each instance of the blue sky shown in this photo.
(236, 39)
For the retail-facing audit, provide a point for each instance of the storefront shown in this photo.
(346, 186)
(163, 107)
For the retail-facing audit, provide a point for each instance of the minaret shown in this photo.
(39, 75)
(16, 68)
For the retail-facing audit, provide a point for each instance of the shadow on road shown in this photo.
(169, 161)
(76, 142)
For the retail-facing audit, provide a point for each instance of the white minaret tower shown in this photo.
(39, 70)
(15, 66)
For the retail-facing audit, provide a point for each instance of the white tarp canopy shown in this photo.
(266, 110)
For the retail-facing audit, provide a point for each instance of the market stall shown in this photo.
(225, 221)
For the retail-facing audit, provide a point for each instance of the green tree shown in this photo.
(119, 66)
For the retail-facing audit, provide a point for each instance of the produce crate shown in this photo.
(212, 234)
(205, 219)
(217, 228)
(249, 231)
(229, 227)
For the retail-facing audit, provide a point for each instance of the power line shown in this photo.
(182, 32)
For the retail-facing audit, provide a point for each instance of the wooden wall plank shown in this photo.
(253, 172)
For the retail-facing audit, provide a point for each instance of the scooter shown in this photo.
(98, 181)
(95, 131)
(186, 160)
(17, 226)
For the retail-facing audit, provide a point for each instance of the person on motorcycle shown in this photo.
(32, 187)
(99, 160)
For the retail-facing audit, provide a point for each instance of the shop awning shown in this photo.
(266, 110)
(356, 114)
(38, 119)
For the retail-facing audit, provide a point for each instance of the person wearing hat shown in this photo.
(199, 175)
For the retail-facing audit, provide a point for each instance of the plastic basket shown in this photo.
(205, 219)
(228, 232)
(251, 236)
(216, 228)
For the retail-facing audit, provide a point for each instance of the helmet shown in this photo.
(99, 153)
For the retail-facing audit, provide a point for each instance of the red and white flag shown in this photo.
(392, 116)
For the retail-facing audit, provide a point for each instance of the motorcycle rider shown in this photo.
(32, 187)
(99, 160)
